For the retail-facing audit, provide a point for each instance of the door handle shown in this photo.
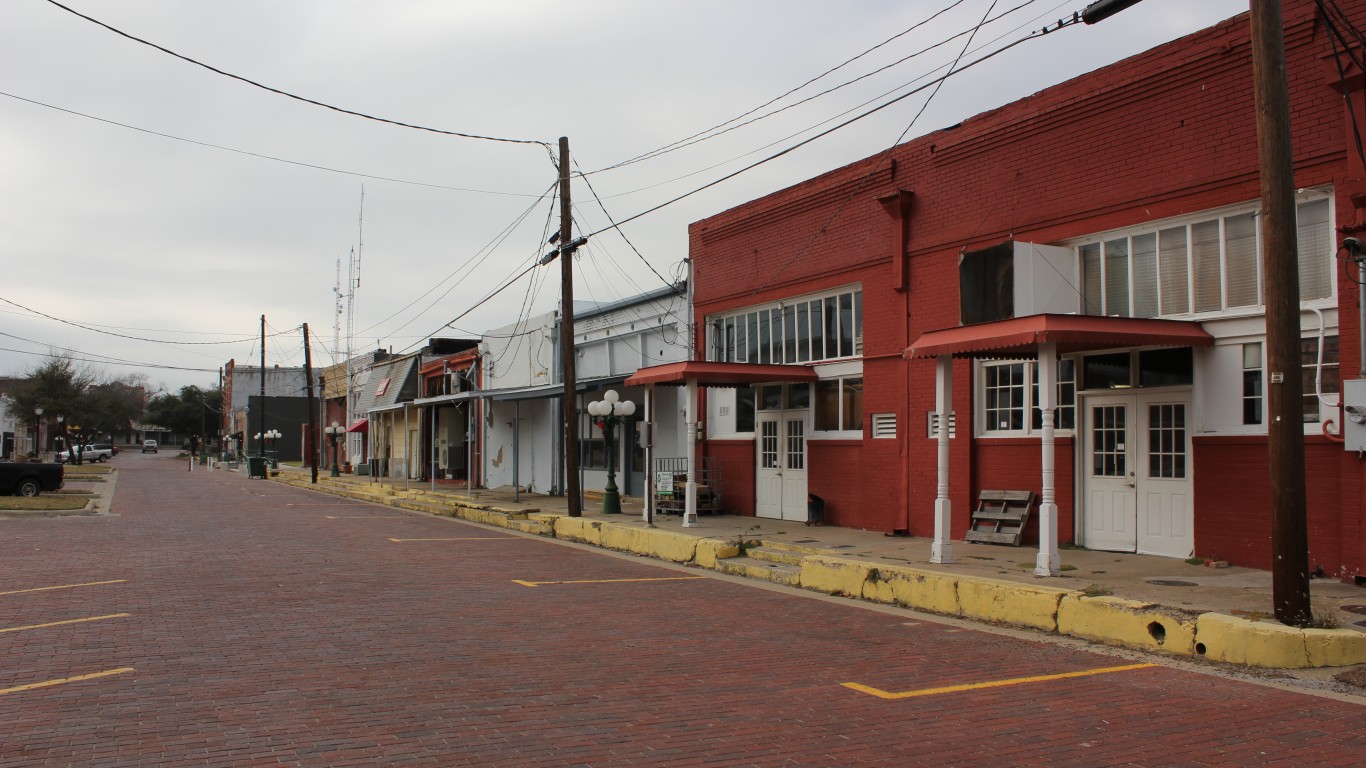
(1130, 482)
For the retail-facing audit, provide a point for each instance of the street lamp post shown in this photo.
(38, 431)
(272, 447)
(607, 413)
(71, 456)
(334, 433)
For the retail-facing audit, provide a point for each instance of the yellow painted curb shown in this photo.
(1130, 623)
(579, 529)
(921, 590)
(709, 551)
(834, 576)
(665, 545)
(1006, 602)
(1276, 646)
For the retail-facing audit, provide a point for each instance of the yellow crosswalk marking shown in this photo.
(604, 581)
(881, 694)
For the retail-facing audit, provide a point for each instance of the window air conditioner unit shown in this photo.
(1014, 279)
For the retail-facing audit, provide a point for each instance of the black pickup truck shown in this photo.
(29, 478)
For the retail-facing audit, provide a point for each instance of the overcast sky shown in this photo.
(116, 232)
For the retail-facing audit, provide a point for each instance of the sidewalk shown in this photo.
(1154, 603)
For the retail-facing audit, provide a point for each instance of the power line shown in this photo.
(123, 335)
(881, 158)
(287, 94)
(470, 265)
(721, 129)
(619, 230)
(110, 361)
(262, 156)
(828, 131)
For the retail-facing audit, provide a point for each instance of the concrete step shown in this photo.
(803, 549)
(772, 554)
(778, 573)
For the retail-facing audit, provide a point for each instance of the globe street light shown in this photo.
(607, 413)
(334, 433)
(271, 436)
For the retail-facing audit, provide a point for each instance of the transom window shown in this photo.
(1209, 265)
(1010, 387)
(826, 327)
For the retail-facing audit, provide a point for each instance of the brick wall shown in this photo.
(1167, 132)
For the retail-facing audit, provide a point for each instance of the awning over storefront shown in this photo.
(457, 397)
(713, 374)
(361, 425)
(1021, 336)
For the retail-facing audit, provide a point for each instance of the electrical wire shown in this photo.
(122, 335)
(827, 132)
(469, 266)
(287, 94)
(713, 132)
(52, 356)
(262, 156)
(618, 229)
(882, 158)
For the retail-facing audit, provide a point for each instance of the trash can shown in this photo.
(256, 466)
(815, 510)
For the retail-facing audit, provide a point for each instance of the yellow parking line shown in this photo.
(881, 694)
(604, 581)
(463, 538)
(76, 679)
(67, 621)
(64, 586)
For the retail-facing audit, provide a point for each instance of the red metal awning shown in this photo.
(712, 374)
(361, 425)
(1021, 336)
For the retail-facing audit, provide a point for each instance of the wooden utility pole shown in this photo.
(569, 406)
(1280, 278)
(313, 441)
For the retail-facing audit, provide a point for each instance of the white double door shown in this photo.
(1136, 474)
(780, 488)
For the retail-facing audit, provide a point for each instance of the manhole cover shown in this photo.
(1361, 623)
(1171, 583)
(804, 541)
(1353, 609)
(843, 546)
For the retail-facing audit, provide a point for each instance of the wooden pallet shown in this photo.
(1000, 517)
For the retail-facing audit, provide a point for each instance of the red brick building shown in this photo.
(1130, 193)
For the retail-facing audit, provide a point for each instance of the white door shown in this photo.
(1110, 514)
(1137, 475)
(780, 486)
(1166, 518)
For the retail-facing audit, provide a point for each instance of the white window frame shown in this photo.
(1031, 375)
(840, 372)
(1219, 215)
(718, 328)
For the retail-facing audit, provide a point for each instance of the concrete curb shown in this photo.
(1103, 619)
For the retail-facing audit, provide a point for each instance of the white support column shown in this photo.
(647, 509)
(941, 551)
(1048, 562)
(690, 491)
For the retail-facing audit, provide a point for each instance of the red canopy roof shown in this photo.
(1021, 336)
(711, 374)
(361, 425)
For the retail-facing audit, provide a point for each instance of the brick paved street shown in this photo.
(224, 621)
